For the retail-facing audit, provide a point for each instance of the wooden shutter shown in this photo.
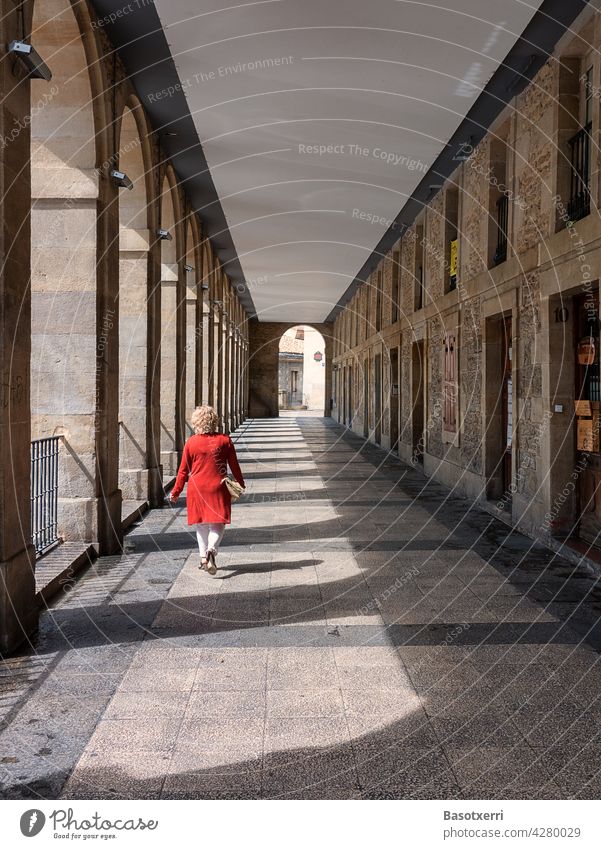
(450, 388)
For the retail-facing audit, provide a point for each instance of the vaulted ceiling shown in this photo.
(302, 128)
(318, 119)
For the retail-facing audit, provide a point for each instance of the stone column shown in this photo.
(180, 361)
(236, 372)
(108, 492)
(206, 351)
(246, 385)
(218, 317)
(18, 608)
(239, 371)
(329, 355)
(227, 354)
(193, 344)
(169, 370)
(64, 338)
(156, 492)
(211, 358)
(199, 320)
(133, 362)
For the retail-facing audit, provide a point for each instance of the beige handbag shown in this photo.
(234, 488)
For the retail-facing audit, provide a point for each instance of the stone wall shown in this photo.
(529, 388)
(473, 245)
(470, 386)
(535, 130)
(527, 148)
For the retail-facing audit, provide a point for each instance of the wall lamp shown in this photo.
(122, 180)
(36, 67)
(189, 268)
(205, 286)
(164, 234)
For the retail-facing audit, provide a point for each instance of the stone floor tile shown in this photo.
(131, 735)
(341, 651)
(301, 732)
(305, 703)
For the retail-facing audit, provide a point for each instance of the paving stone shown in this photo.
(305, 703)
(372, 639)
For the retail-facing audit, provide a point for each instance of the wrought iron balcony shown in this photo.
(502, 222)
(579, 204)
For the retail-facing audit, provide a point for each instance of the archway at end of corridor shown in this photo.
(302, 370)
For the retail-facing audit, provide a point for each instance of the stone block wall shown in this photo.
(548, 260)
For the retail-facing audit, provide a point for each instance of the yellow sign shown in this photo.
(453, 258)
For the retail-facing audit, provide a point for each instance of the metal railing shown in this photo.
(44, 492)
(502, 222)
(579, 204)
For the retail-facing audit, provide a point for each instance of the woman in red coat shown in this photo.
(204, 464)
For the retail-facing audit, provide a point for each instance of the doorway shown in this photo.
(394, 399)
(587, 404)
(302, 369)
(499, 409)
(378, 398)
(506, 403)
(349, 395)
(418, 398)
(365, 398)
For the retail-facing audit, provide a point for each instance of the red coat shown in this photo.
(204, 465)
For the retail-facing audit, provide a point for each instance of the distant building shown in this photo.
(301, 369)
(291, 366)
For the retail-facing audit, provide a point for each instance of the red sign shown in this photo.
(318, 356)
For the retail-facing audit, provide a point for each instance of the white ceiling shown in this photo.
(391, 77)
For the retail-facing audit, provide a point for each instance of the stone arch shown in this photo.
(135, 218)
(67, 143)
(262, 365)
(301, 376)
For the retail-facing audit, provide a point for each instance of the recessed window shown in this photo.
(394, 296)
(451, 211)
(379, 300)
(499, 193)
(419, 284)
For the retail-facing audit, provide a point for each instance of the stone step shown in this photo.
(59, 567)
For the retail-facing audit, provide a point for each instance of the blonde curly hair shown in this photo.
(204, 420)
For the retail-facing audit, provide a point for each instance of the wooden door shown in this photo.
(418, 397)
(507, 403)
(394, 399)
(587, 404)
(378, 398)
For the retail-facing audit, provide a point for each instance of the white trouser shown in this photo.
(209, 536)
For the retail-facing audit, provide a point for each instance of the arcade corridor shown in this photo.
(367, 636)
